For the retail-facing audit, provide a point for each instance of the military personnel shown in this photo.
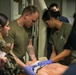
(7, 64)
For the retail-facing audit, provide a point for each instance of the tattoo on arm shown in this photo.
(31, 52)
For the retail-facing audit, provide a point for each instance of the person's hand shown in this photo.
(40, 64)
(46, 62)
(2, 61)
(29, 70)
(8, 47)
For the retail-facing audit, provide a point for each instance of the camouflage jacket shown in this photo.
(11, 67)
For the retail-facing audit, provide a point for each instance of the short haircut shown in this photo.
(53, 4)
(30, 9)
(50, 13)
(74, 16)
(3, 19)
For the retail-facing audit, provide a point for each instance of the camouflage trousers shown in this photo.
(11, 67)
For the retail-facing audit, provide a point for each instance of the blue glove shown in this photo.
(35, 66)
(46, 62)
(29, 70)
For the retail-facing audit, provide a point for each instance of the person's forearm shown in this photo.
(62, 55)
(53, 54)
(31, 53)
(33, 57)
(18, 61)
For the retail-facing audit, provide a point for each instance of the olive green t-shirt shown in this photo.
(59, 38)
(19, 37)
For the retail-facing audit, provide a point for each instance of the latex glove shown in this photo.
(29, 70)
(46, 62)
(39, 64)
(35, 66)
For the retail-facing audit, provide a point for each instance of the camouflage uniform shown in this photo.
(10, 68)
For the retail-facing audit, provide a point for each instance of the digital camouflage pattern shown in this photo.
(11, 67)
(2, 43)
